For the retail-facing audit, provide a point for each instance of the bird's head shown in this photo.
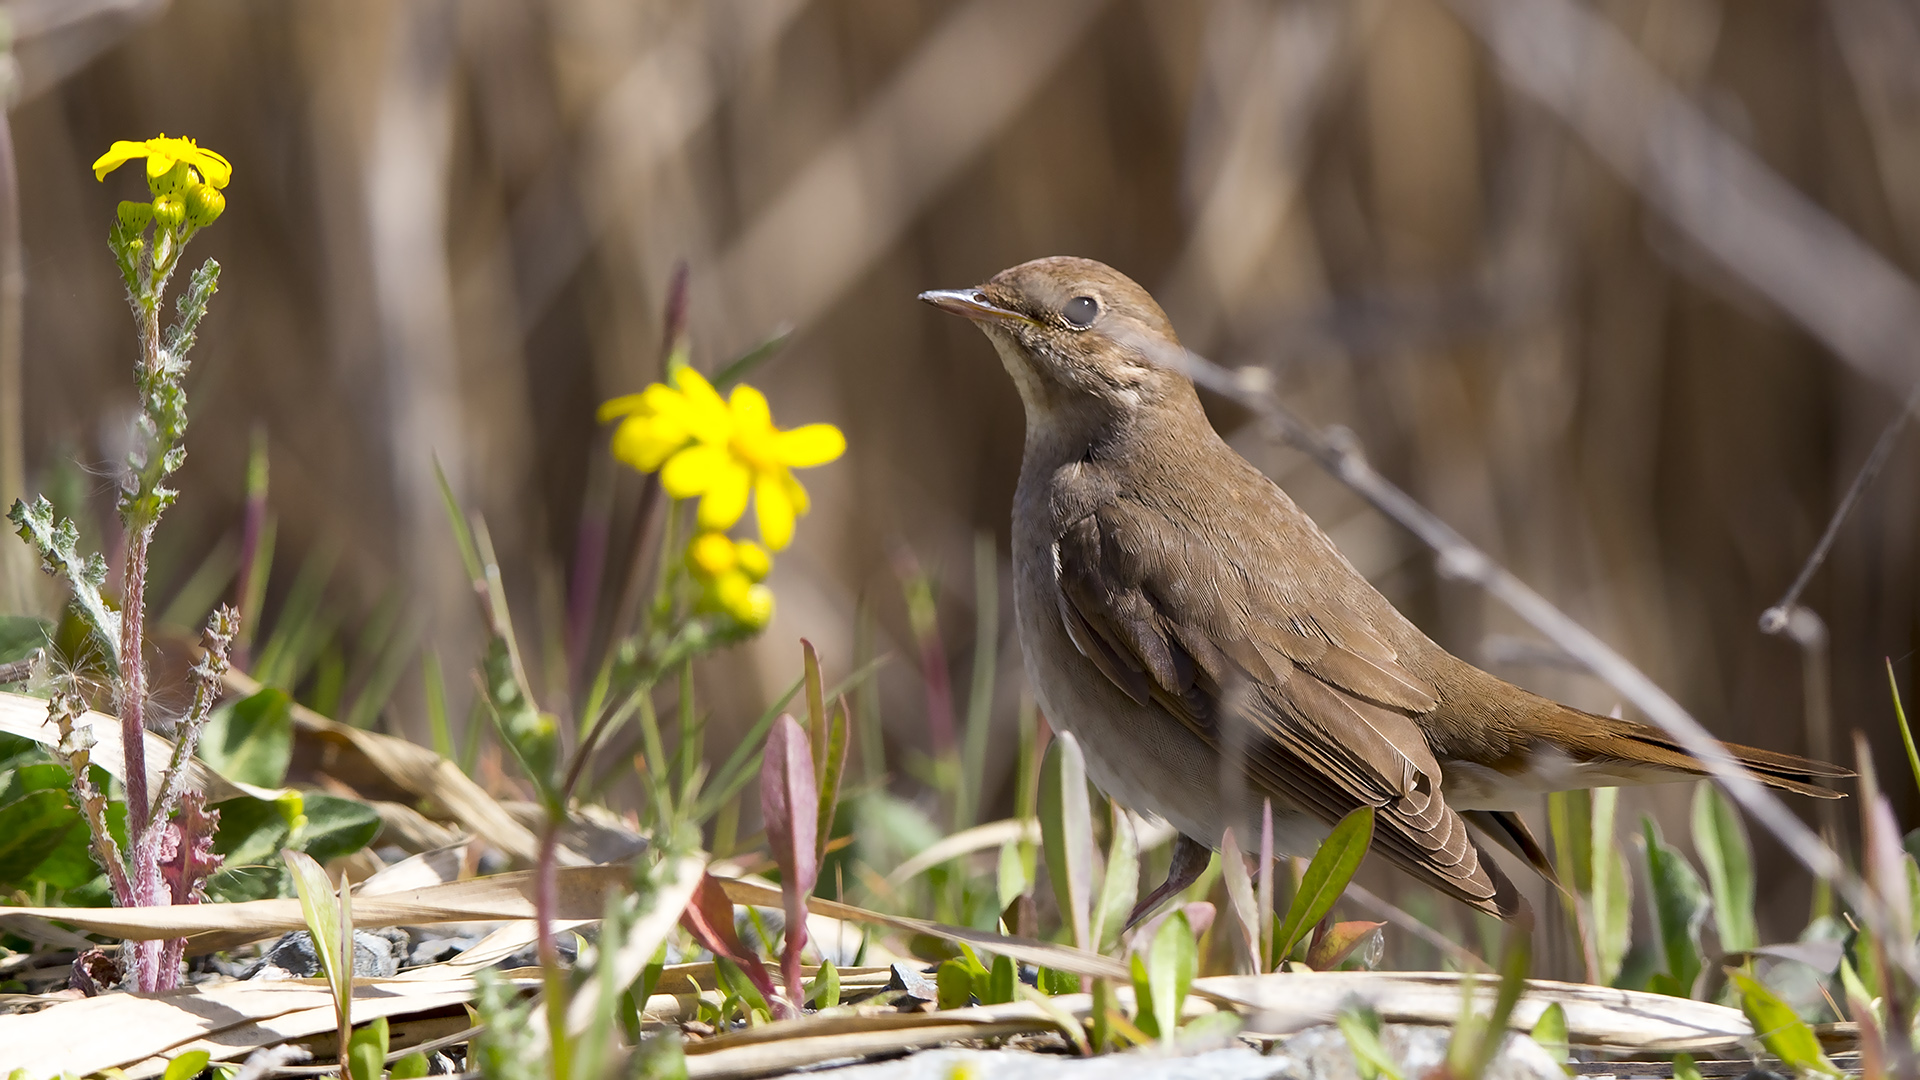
(1076, 335)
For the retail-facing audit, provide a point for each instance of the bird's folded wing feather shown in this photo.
(1323, 706)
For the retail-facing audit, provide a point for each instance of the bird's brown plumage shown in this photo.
(1174, 604)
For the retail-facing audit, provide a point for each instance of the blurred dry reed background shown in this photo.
(454, 226)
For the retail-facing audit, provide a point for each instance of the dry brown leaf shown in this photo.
(1041, 953)
(428, 868)
(1597, 1016)
(227, 1021)
(582, 892)
(764, 1059)
(414, 769)
(27, 717)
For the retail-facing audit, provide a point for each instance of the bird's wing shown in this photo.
(1323, 723)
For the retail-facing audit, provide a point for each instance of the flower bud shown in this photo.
(753, 560)
(134, 216)
(173, 180)
(710, 555)
(751, 605)
(169, 211)
(204, 205)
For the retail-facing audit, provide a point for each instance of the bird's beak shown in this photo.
(971, 303)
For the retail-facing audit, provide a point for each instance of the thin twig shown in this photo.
(1775, 619)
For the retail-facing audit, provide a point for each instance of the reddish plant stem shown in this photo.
(144, 871)
(545, 899)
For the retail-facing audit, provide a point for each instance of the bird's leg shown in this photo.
(1190, 859)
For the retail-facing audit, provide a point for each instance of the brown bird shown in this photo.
(1177, 612)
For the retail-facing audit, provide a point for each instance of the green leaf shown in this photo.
(736, 984)
(1720, 837)
(1144, 1017)
(251, 831)
(976, 971)
(1240, 896)
(1171, 961)
(32, 829)
(741, 366)
(1570, 820)
(1121, 885)
(70, 865)
(1550, 1031)
(187, 1065)
(1680, 906)
(1783, 1033)
(251, 741)
(1054, 981)
(411, 1067)
(1361, 1026)
(336, 826)
(823, 992)
(955, 985)
(319, 909)
(1001, 981)
(1612, 898)
(1333, 866)
(1066, 831)
(20, 635)
(1684, 1068)
(367, 1051)
(1014, 875)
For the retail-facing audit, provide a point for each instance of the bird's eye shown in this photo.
(1080, 311)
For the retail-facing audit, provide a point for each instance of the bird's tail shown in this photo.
(1621, 751)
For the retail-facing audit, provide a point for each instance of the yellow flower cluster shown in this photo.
(730, 573)
(184, 177)
(724, 452)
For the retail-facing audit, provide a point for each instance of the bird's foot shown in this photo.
(1190, 859)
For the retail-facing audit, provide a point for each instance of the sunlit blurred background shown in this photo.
(454, 224)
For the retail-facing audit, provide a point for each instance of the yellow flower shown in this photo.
(162, 154)
(730, 572)
(722, 451)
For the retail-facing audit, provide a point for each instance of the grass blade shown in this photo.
(1066, 831)
(1720, 837)
(1906, 731)
(1120, 886)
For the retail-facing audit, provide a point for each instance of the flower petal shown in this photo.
(814, 444)
(694, 470)
(620, 406)
(117, 155)
(796, 494)
(751, 413)
(726, 497)
(645, 442)
(707, 416)
(773, 509)
(159, 162)
(214, 168)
